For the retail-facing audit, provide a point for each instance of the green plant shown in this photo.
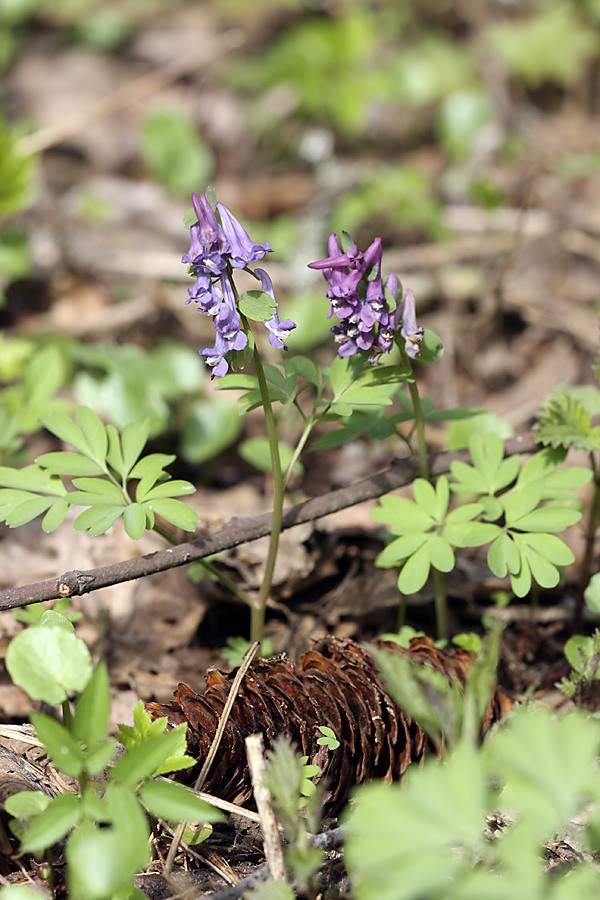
(513, 509)
(174, 152)
(473, 825)
(106, 824)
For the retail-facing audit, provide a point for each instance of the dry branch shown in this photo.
(237, 531)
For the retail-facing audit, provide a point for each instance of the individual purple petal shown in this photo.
(336, 259)
(227, 321)
(278, 331)
(411, 332)
(206, 294)
(241, 247)
(208, 242)
(215, 356)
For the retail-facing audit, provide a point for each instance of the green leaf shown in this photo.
(304, 368)
(520, 501)
(257, 305)
(428, 498)
(578, 651)
(256, 452)
(565, 422)
(55, 516)
(175, 802)
(99, 488)
(553, 45)
(51, 825)
(48, 662)
(174, 152)
(503, 556)
(174, 511)
(103, 861)
(401, 840)
(73, 464)
(146, 758)
(441, 554)
(541, 465)
(31, 478)
(51, 617)
(99, 756)
(403, 515)
(134, 520)
(468, 641)
(65, 428)
(62, 747)
(28, 510)
(151, 466)
(168, 489)
(328, 738)
(520, 581)
(592, 593)
(415, 571)
(26, 803)
(397, 551)
(549, 764)
(92, 707)
(548, 518)
(93, 431)
(97, 519)
(211, 427)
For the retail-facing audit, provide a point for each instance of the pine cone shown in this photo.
(336, 684)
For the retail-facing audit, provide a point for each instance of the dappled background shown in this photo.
(464, 133)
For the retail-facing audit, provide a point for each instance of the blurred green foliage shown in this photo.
(174, 152)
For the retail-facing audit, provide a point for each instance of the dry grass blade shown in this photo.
(248, 657)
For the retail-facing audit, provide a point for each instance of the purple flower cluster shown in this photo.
(358, 300)
(215, 249)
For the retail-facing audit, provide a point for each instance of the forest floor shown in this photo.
(512, 292)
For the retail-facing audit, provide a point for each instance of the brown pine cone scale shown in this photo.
(335, 684)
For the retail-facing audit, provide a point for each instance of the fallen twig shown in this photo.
(238, 531)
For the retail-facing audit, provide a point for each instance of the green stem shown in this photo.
(257, 622)
(591, 528)
(67, 715)
(441, 605)
(308, 427)
(419, 418)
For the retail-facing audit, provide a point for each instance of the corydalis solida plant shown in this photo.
(370, 316)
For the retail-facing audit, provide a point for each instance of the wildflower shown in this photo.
(215, 356)
(241, 249)
(411, 332)
(367, 320)
(208, 242)
(216, 248)
(278, 331)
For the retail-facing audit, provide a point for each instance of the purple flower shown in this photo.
(241, 249)
(208, 242)
(217, 247)
(215, 356)
(278, 331)
(367, 320)
(411, 332)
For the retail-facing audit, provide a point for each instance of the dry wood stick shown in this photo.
(239, 531)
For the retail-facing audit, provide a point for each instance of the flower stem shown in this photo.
(441, 605)
(257, 622)
(591, 528)
(419, 419)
